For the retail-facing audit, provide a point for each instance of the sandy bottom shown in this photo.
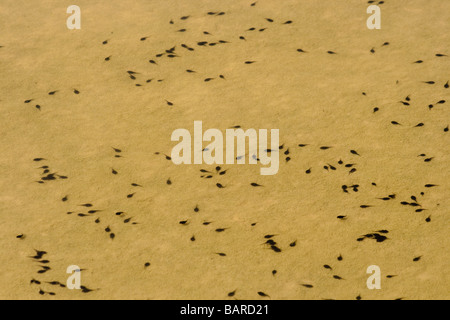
(293, 237)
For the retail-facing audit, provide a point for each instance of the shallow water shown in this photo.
(313, 97)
